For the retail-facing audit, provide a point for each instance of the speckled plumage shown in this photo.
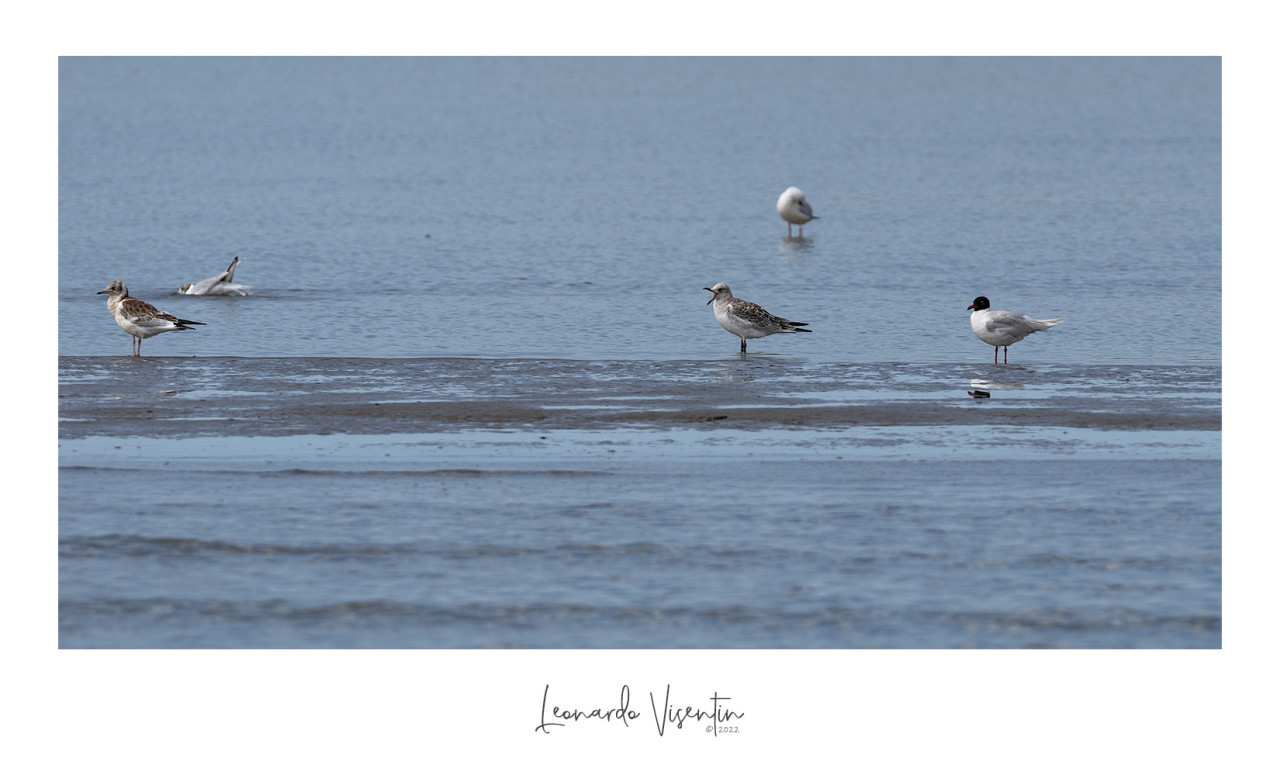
(138, 318)
(748, 320)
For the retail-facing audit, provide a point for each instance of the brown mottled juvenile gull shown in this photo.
(747, 320)
(138, 318)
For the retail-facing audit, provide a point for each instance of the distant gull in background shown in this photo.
(138, 318)
(794, 209)
(747, 320)
(1000, 328)
(219, 285)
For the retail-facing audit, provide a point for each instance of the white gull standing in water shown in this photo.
(218, 285)
(1000, 328)
(747, 320)
(138, 318)
(794, 209)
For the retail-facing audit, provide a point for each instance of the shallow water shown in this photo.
(572, 208)
(294, 503)
(477, 399)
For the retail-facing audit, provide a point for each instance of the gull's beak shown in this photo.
(99, 293)
(970, 307)
(713, 295)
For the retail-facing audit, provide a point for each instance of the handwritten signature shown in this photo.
(623, 713)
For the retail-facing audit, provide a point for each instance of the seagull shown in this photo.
(138, 318)
(794, 209)
(1001, 328)
(747, 320)
(219, 285)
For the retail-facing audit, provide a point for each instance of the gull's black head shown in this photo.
(980, 303)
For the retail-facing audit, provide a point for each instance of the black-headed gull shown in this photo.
(1000, 328)
(138, 318)
(747, 320)
(218, 285)
(794, 209)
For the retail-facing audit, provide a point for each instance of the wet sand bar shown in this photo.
(178, 397)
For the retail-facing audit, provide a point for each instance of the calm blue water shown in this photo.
(508, 256)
